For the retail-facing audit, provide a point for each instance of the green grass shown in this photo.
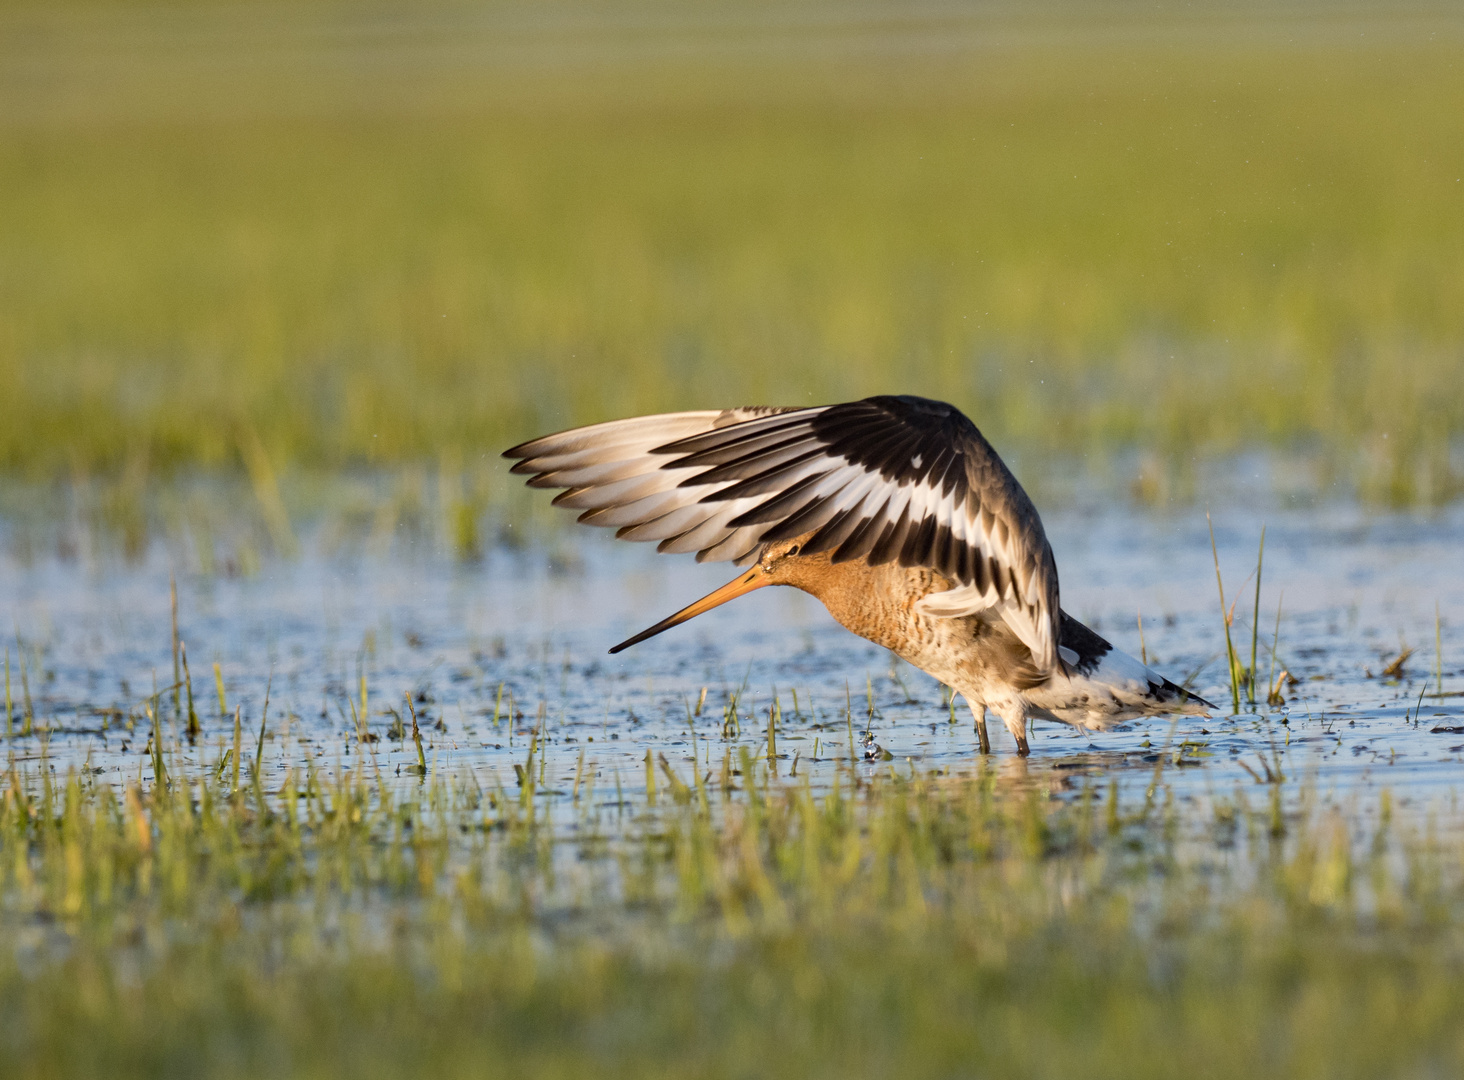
(345, 924)
(1095, 232)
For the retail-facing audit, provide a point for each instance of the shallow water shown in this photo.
(522, 635)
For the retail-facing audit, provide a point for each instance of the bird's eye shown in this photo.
(792, 550)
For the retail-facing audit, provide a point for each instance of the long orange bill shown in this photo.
(753, 579)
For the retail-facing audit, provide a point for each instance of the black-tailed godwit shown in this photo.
(895, 512)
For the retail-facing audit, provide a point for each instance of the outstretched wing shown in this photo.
(886, 479)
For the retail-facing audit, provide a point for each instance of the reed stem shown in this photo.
(177, 674)
(1225, 619)
(193, 725)
(1438, 647)
(1256, 619)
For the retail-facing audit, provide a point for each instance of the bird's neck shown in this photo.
(875, 602)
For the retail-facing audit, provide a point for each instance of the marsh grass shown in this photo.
(234, 239)
(335, 922)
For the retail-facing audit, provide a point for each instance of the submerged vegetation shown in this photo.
(240, 918)
(355, 236)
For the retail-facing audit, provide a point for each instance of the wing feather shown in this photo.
(864, 533)
(887, 479)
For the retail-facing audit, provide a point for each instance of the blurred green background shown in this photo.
(366, 234)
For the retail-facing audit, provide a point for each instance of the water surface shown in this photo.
(515, 643)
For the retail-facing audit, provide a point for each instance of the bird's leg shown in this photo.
(978, 710)
(1015, 718)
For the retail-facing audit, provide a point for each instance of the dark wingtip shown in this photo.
(522, 450)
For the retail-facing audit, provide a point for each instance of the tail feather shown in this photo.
(1189, 700)
(1101, 685)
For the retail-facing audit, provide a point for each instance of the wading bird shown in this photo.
(895, 512)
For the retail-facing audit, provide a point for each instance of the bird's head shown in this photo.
(773, 561)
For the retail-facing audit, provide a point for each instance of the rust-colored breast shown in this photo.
(878, 603)
(875, 602)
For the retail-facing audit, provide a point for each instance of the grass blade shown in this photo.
(1225, 618)
(1256, 619)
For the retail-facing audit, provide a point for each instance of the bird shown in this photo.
(895, 512)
